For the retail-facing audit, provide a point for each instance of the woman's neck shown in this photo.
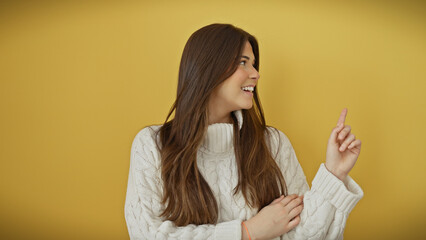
(217, 114)
(219, 118)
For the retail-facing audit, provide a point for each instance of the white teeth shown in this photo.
(251, 89)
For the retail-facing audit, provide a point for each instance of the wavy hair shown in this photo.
(211, 55)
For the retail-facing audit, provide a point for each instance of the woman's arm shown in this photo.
(326, 205)
(144, 195)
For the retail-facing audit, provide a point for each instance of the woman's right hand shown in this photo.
(279, 217)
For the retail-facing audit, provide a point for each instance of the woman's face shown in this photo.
(236, 92)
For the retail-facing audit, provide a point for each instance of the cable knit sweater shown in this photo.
(326, 205)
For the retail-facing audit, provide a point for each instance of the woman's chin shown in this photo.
(248, 106)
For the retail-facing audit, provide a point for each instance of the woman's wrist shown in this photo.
(252, 231)
(244, 232)
(339, 174)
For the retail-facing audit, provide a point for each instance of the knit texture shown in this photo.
(326, 205)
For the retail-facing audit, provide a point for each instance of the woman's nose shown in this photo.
(254, 74)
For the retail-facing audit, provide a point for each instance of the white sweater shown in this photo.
(326, 205)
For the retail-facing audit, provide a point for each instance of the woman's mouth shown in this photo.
(248, 89)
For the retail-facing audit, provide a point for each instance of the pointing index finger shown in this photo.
(342, 117)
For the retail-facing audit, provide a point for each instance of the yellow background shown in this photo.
(79, 80)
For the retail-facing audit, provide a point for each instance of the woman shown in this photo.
(216, 171)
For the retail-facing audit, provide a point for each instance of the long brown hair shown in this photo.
(210, 56)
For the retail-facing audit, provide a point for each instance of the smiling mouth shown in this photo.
(247, 89)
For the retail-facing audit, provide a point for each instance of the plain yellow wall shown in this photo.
(78, 81)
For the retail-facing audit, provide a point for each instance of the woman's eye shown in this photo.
(243, 62)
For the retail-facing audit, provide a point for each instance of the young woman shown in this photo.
(216, 171)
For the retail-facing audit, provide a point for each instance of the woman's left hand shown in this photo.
(342, 149)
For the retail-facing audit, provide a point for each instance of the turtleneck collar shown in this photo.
(219, 137)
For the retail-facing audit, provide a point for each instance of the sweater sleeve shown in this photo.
(143, 200)
(326, 205)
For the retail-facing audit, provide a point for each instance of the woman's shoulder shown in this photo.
(277, 138)
(281, 149)
(149, 131)
(148, 135)
(145, 148)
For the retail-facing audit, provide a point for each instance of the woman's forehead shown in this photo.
(248, 51)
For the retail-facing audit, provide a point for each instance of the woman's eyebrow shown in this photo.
(248, 58)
